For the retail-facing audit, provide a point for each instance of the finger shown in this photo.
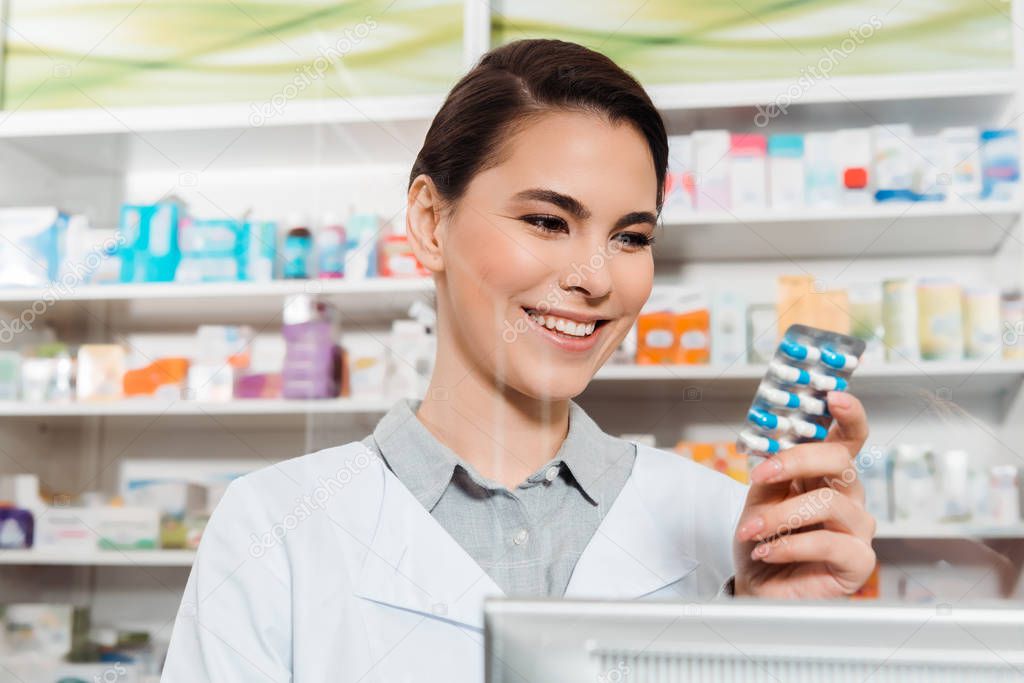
(851, 422)
(804, 461)
(850, 556)
(821, 506)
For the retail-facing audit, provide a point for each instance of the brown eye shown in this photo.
(546, 223)
(636, 240)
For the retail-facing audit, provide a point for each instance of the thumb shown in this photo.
(851, 422)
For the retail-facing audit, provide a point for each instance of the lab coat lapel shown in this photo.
(413, 563)
(633, 553)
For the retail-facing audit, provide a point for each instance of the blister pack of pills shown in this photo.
(790, 404)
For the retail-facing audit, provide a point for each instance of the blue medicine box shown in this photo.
(151, 252)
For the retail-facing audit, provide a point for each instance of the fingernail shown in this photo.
(767, 471)
(760, 551)
(751, 527)
(838, 399)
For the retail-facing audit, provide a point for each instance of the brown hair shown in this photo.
(522, 79)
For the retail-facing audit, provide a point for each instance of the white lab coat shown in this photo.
(326, 568)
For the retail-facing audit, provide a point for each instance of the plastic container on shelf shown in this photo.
(331, 243)
(297, 253)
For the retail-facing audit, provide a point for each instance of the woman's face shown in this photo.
(547, 259)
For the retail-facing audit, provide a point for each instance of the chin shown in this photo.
(557, 385)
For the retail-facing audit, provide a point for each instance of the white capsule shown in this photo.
(787, 373)
(812, 406)
(778, 396)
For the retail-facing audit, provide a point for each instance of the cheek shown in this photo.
(492, 264)
(633, 276)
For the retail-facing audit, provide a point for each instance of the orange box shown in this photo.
(870, 590)
(800, 301)
(693, 335)
(395, 258)
(656, 338)
(161, 372)
(721, 456)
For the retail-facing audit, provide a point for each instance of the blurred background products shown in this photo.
(164, 242)
(204, 269)
(900, 319)
(719, 171)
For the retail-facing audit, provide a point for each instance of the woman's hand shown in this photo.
(804, 532)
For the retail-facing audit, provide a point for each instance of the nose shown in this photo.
(589, 272)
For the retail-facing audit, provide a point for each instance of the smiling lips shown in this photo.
(575, 333)
(563, 325)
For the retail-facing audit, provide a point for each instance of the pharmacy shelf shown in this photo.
(157, 305)
(941, 379)
(383, 110)
(185, 558)
(389, 130)
(903, 530)
(338, 111)
(103, 120)
(345, 131)
(895, 88)
(99, 558)
(150, 407)
(893, 229)
(342, 290)
(676, 382)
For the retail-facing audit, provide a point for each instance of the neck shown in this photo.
(505, 435)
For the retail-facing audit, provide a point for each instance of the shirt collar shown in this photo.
(425, 465)
(594, 457)
(421, 462)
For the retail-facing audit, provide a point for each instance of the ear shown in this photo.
(423, 223)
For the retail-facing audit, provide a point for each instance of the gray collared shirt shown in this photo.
(528, 540)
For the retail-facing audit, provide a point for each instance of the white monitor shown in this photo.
(747, 641)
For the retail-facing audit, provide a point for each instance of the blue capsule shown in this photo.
(763, 419)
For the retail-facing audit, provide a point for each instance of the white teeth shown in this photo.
(563, 325)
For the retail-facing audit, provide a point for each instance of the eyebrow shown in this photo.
(576, 208)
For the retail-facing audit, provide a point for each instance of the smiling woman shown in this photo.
(532, 202)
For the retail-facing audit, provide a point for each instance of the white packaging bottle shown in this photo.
(962, 165)
(679, 186)
(891, 162)
(728, 329)
(748, 182)
(711, 167)
(821, 170)
(786, 177)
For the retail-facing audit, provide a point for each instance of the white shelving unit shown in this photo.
(330, 155)
(896, 229)
(185, 558)
(99, 558)
(154, 407)
(900, 531)
(159, 306)
(612, 381)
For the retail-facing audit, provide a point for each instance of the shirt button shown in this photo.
(551, 473)
(520, 537)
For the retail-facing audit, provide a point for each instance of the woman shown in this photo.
(533, 201)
